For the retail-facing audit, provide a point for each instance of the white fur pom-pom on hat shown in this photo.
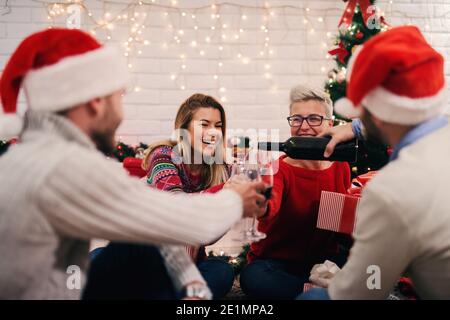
(344, 107)
(10, 126)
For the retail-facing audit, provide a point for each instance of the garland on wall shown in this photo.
(207, 32)
(124, 150)
(238, 263)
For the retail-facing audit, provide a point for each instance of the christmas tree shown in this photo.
(358, 24)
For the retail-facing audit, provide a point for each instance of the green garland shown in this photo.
(237, 263)
(123, 150)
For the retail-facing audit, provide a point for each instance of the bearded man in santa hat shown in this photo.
(396, 87)
(57, 191)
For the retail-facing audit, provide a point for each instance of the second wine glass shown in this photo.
(251, 234)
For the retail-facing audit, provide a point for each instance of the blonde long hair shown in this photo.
(210, 174)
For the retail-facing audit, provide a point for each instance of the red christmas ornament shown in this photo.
(359, 35)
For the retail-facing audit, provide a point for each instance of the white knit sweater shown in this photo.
(403, 226)
(57, 192)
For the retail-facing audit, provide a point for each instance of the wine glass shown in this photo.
(260, 171)
(266, 171)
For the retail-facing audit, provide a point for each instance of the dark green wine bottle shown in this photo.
(312, 148)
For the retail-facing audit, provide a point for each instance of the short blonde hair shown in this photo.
(303, 93)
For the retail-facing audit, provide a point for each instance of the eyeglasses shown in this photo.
(314, 120)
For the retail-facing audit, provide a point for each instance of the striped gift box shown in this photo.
(307, 286)
(337, 212)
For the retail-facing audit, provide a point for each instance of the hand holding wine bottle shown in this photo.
(338, 134)
(252, 198)
(313, 148)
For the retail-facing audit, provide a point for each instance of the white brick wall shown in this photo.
(252, 100)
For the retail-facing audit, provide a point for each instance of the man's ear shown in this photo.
(377, 121)
(96, 107)
(331, 122)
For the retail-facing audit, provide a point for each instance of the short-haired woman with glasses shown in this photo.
(280, 264)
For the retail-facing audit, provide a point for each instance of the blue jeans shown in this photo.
(94, 253)
(126, 258)
(280, 279)
(128, 271)
(271, 279)
(219, 276)
(314, 294)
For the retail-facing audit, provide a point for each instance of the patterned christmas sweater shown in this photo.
(169, 174)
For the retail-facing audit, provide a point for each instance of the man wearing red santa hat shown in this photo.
(396, 86)
(58, 191)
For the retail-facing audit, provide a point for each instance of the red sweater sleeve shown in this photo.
(345, 167)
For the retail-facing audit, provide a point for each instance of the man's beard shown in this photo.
(104, 141)
(104, 135)
(373, 134)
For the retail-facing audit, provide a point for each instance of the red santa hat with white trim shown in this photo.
(397, 76)
(58, 69)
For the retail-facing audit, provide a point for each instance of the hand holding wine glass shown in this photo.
(260, 169)
(251, 193)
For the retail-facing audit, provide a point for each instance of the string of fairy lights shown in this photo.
(195, 37)
(203, 33)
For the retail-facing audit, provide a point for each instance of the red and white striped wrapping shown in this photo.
(337, 212)
(307, 286)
